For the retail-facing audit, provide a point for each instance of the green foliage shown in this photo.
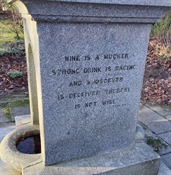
(11, 51)
(8, 35)
(6, 110)
(11, 29)
(162, 30)
(15, 74)
(22, 103)
(156, 144)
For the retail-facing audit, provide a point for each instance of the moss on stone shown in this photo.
(156, 143)
(6, 111)
(22, 103)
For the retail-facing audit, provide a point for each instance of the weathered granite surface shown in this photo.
(86, 62)
(134, 161)
(88, 70)
(123, 11)
(90, 104)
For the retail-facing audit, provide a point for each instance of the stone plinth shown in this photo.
(86, 62)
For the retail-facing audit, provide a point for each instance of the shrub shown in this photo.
(16, 19)
(15, 74)
(162, 30)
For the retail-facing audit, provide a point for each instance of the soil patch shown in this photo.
(157, 78)
(13, 74)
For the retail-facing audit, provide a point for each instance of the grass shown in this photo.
(7, 34)
(15, 74)
(22, 103)
(6, 110)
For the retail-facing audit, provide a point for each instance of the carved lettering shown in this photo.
(75, 83)
(72, 58)
(105, 81)
(87, 58)
(116, 56)
(77, 106)
(84, 94)
(92, 70)
(61, 96)
(66, 71)
(97, 57)
(90, 104)
(125, 67)
(89, 70)
(117, 90)
(108, 102)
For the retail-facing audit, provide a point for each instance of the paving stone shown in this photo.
(4, 113)
(162, 110)
(166, 159)
(161, 146)
(166, 137)
(164, 170)
(168, 117)
(19, 108)
(14, 97)
(153, 121)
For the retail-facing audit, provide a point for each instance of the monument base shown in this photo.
(137, 160)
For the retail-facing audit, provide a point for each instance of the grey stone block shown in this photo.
(101, 112)
(153, 120)
(22, 120)
(134, 161)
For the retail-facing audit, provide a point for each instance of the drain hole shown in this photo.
(29, 144)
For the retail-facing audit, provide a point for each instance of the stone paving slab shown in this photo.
(166, 159)
(168, 117)
(158, 144)
(17, 111)
(5, 128)
(18, 108)
(153, 120)
(162, 110)
(5, 113)
(166, 137)
(164, 170)
(9, 110)
(13, 97)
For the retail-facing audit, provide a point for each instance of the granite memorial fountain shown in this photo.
(85, 61)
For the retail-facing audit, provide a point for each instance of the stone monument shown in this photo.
(86, 61)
